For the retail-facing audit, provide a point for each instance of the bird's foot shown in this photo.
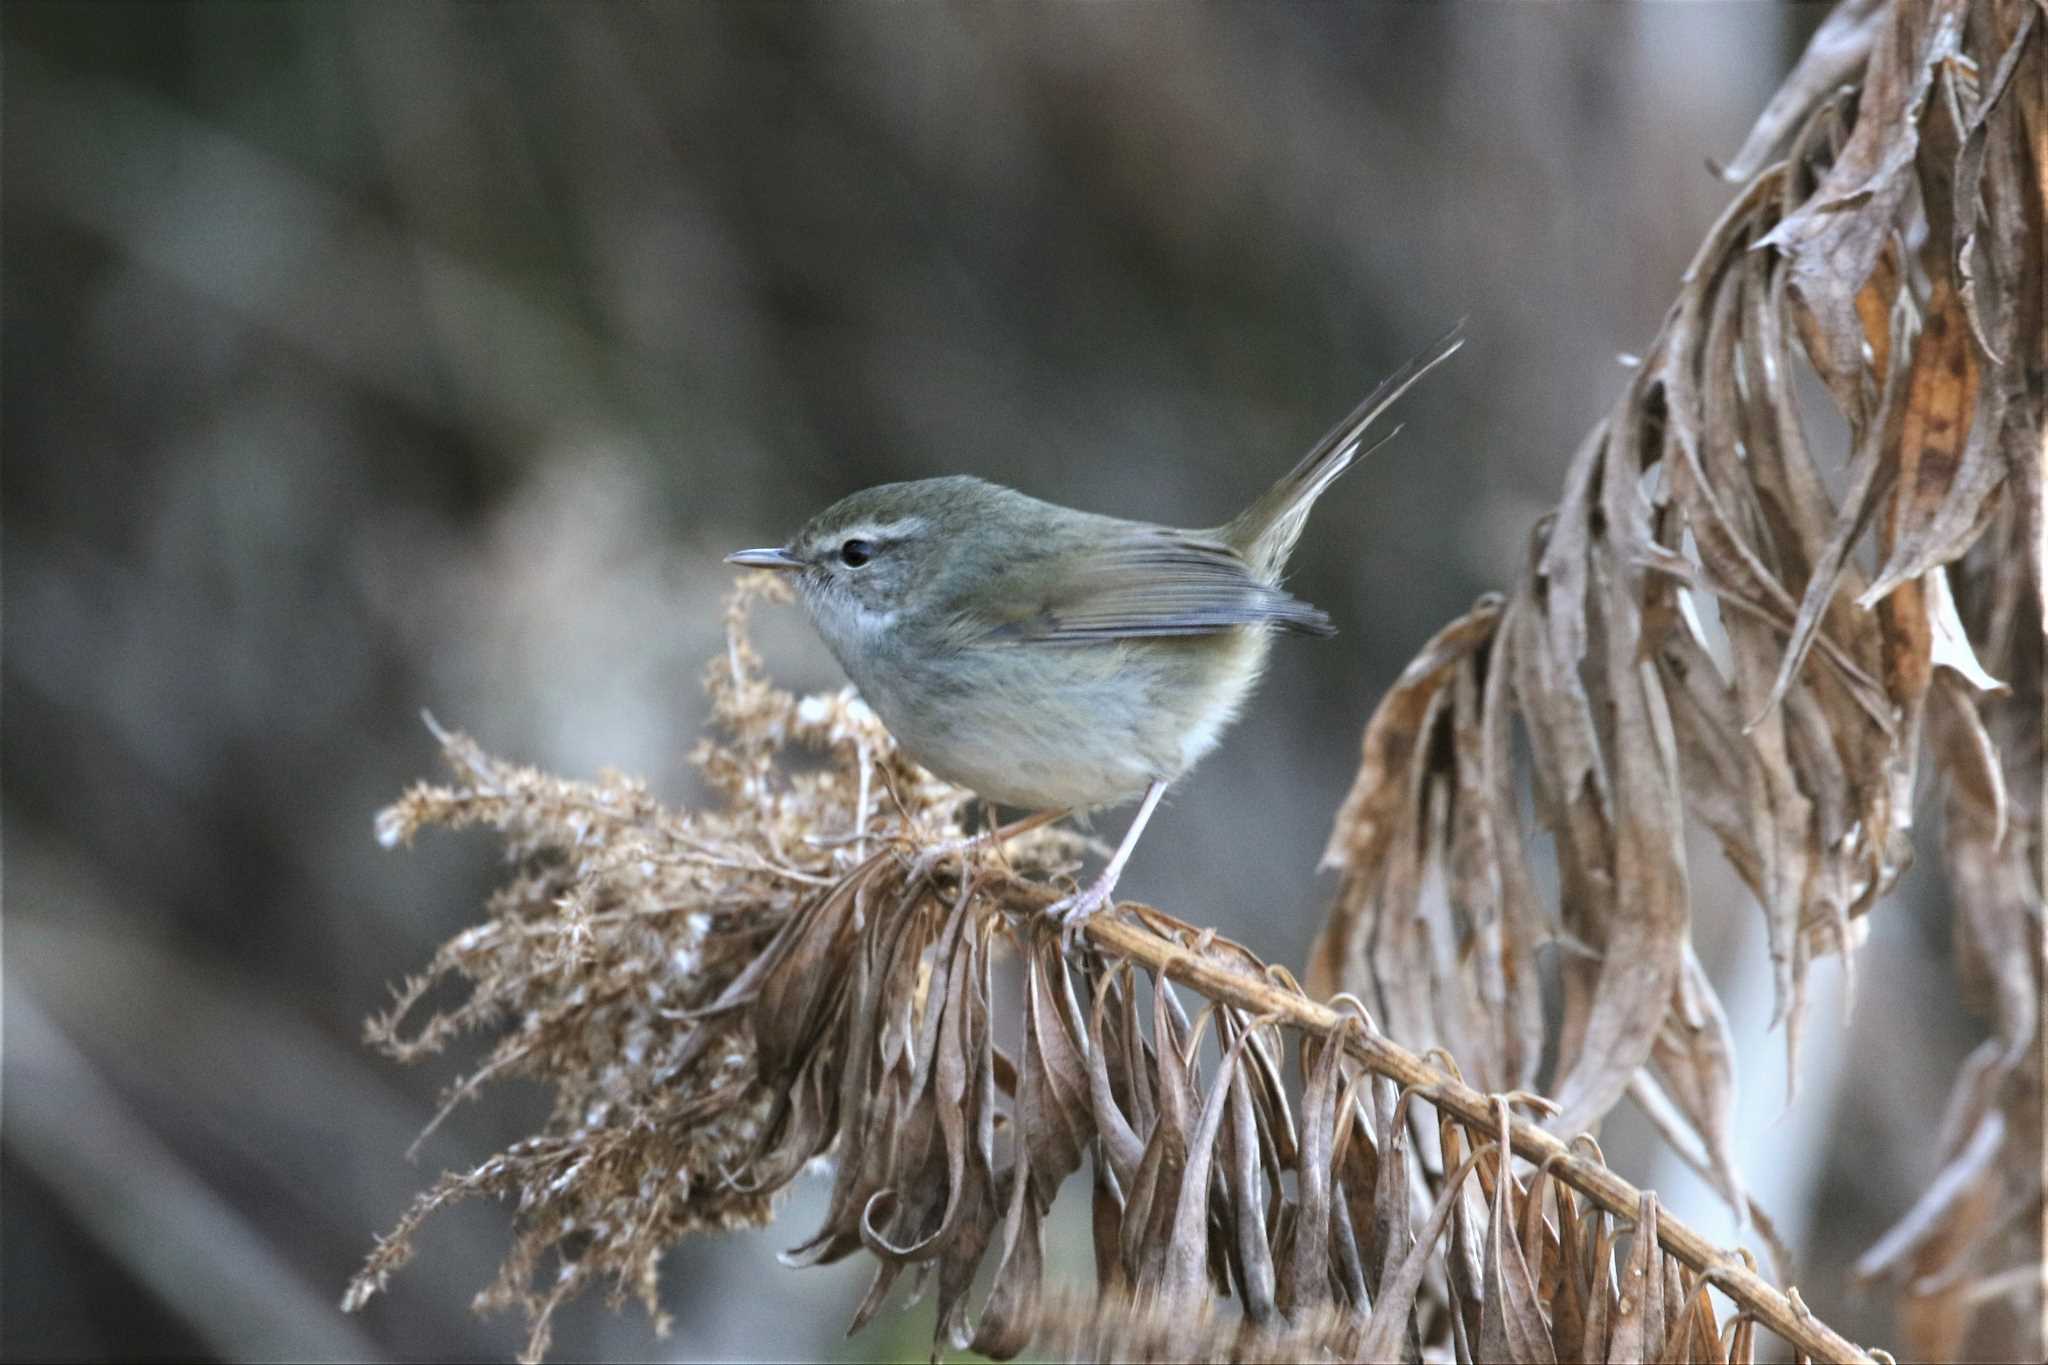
(929, 857)
(967, 846)
(1074, 911)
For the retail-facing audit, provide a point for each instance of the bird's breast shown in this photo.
(1064, 726)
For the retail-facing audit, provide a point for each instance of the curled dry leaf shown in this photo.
(1511, 1321)
(1707, 634)
(1834, 57)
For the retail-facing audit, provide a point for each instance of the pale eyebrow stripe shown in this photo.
(900, 529)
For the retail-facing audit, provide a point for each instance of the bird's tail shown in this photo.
(1265, 532)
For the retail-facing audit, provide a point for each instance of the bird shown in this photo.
(1056, 660)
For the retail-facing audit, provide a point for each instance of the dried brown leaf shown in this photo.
(1388, 1336)
(1643, 938)
(1511, 1322)
(1833, 56)
(1833, 240)
(1638, 1328)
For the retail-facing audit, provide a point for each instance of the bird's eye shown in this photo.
(855, 553)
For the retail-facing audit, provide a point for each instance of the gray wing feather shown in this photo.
(1163, 584)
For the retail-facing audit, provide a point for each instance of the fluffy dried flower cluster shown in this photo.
(631, 959)
(619, 965)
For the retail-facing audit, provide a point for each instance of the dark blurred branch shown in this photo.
(147, 1208)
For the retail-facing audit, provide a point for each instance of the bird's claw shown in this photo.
(1074, 911)
(929, 857)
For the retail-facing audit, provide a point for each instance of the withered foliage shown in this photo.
(717, 998)
(1580, 1289)
(1727, 623)
(1734, 621)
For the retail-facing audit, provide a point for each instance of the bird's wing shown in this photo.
(1151, 582)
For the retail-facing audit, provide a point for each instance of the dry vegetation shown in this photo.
(1726, 621)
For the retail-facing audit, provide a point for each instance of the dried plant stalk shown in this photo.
(1183, 955)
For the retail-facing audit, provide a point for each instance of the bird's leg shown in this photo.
(1002, 834)
(1078, 907)
(937, 853)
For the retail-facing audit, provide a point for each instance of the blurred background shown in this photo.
(360, 359)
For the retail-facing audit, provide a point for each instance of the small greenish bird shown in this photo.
(1058, 660)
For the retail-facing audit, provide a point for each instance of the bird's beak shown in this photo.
(765, 559)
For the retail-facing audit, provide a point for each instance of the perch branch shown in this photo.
(1117, 936)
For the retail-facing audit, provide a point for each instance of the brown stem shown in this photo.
(1117, 936)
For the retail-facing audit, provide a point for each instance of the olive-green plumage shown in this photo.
(1041, 657)
(1055, 659)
